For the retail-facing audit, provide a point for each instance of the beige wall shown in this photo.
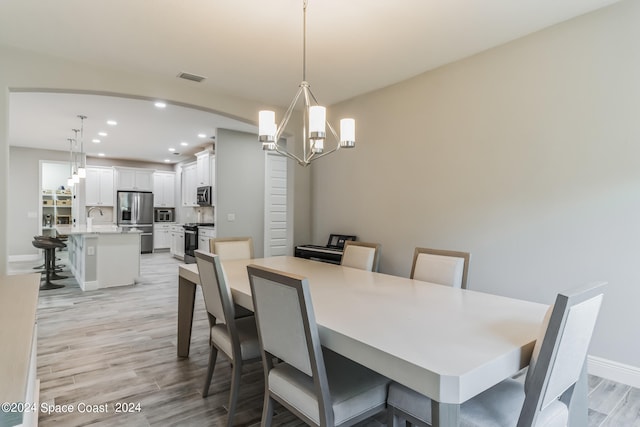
(240, 187)
(527, 155)
(24, 196)
(26, 70)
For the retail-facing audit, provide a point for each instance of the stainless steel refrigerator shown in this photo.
(135, 210)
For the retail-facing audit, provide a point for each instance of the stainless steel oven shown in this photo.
(163, 215)
(191, 240)
(190, 243)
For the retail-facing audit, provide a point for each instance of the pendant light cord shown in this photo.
(304, 40)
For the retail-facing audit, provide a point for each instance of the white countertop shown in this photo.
(18, 305)
(95, 229)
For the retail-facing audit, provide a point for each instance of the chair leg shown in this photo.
(233, 393)
(267, 410)
(213, 355)
(393, 420)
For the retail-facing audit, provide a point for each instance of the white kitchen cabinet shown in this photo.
(177, 241)
(189, 185)
(205, 165)
(134, 179)
(99, 187)
(204, 235)
(164, 189)
(162, 236)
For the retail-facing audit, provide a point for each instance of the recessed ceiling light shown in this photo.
(167, 160)
(102, 133)
(160, 104)
(112, 122)
(101, 154)
(184, 144)
(172, 149)
(202, 135)
(96, 141)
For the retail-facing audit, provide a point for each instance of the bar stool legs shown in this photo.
(49, 246)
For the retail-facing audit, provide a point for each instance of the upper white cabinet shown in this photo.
(190, 185)
(164, 189)
(134, 179)
(99, 187)
(205, 165)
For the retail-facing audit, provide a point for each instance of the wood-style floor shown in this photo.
(118, 345)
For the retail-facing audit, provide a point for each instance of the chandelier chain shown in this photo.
(304, 40)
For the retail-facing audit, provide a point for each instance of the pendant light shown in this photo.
(70, 181)
(82, 169)
(75, 176)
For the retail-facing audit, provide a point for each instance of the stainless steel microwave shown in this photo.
(205, 195)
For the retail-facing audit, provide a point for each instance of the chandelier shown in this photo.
(314, 120)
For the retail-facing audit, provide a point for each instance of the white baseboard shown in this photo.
(614, 371)
(22, 258)
(90, 285)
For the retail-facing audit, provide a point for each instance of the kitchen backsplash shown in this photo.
(201, 214)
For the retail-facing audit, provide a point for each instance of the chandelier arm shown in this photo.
(333, 132)
(291, 156)
(316, 156)
(287, 116)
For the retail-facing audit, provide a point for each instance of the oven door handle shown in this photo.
(189, 232)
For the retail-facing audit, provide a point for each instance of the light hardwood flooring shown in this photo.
(119, 345)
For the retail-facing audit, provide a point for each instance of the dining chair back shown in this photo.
(228, 248)
(543, 399)
(319, 386)
(561, 352)
(236, 338)
(439, 266)
(362, 255)
(217, 297)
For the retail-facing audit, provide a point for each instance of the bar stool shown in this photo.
(54, 268)
(49, 246)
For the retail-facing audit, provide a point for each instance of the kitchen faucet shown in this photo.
(91, 210)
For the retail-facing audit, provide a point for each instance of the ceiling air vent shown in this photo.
(192, 77)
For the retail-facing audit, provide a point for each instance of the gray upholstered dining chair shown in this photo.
(441, 266)
(232, 247)
(237, 339)
(319, 386)
(228, 248)
(556, 365)
(362, 255)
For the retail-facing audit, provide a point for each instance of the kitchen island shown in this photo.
(102, 256)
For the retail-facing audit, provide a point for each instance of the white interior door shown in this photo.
(276, 220)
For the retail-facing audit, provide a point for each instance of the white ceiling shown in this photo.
(143, 132)
(253, 49)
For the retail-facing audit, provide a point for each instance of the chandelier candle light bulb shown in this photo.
(267, 125)
(347, 133)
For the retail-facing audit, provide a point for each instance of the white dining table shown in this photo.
(448, 344)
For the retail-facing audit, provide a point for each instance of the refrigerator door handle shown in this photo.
(136, 207)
